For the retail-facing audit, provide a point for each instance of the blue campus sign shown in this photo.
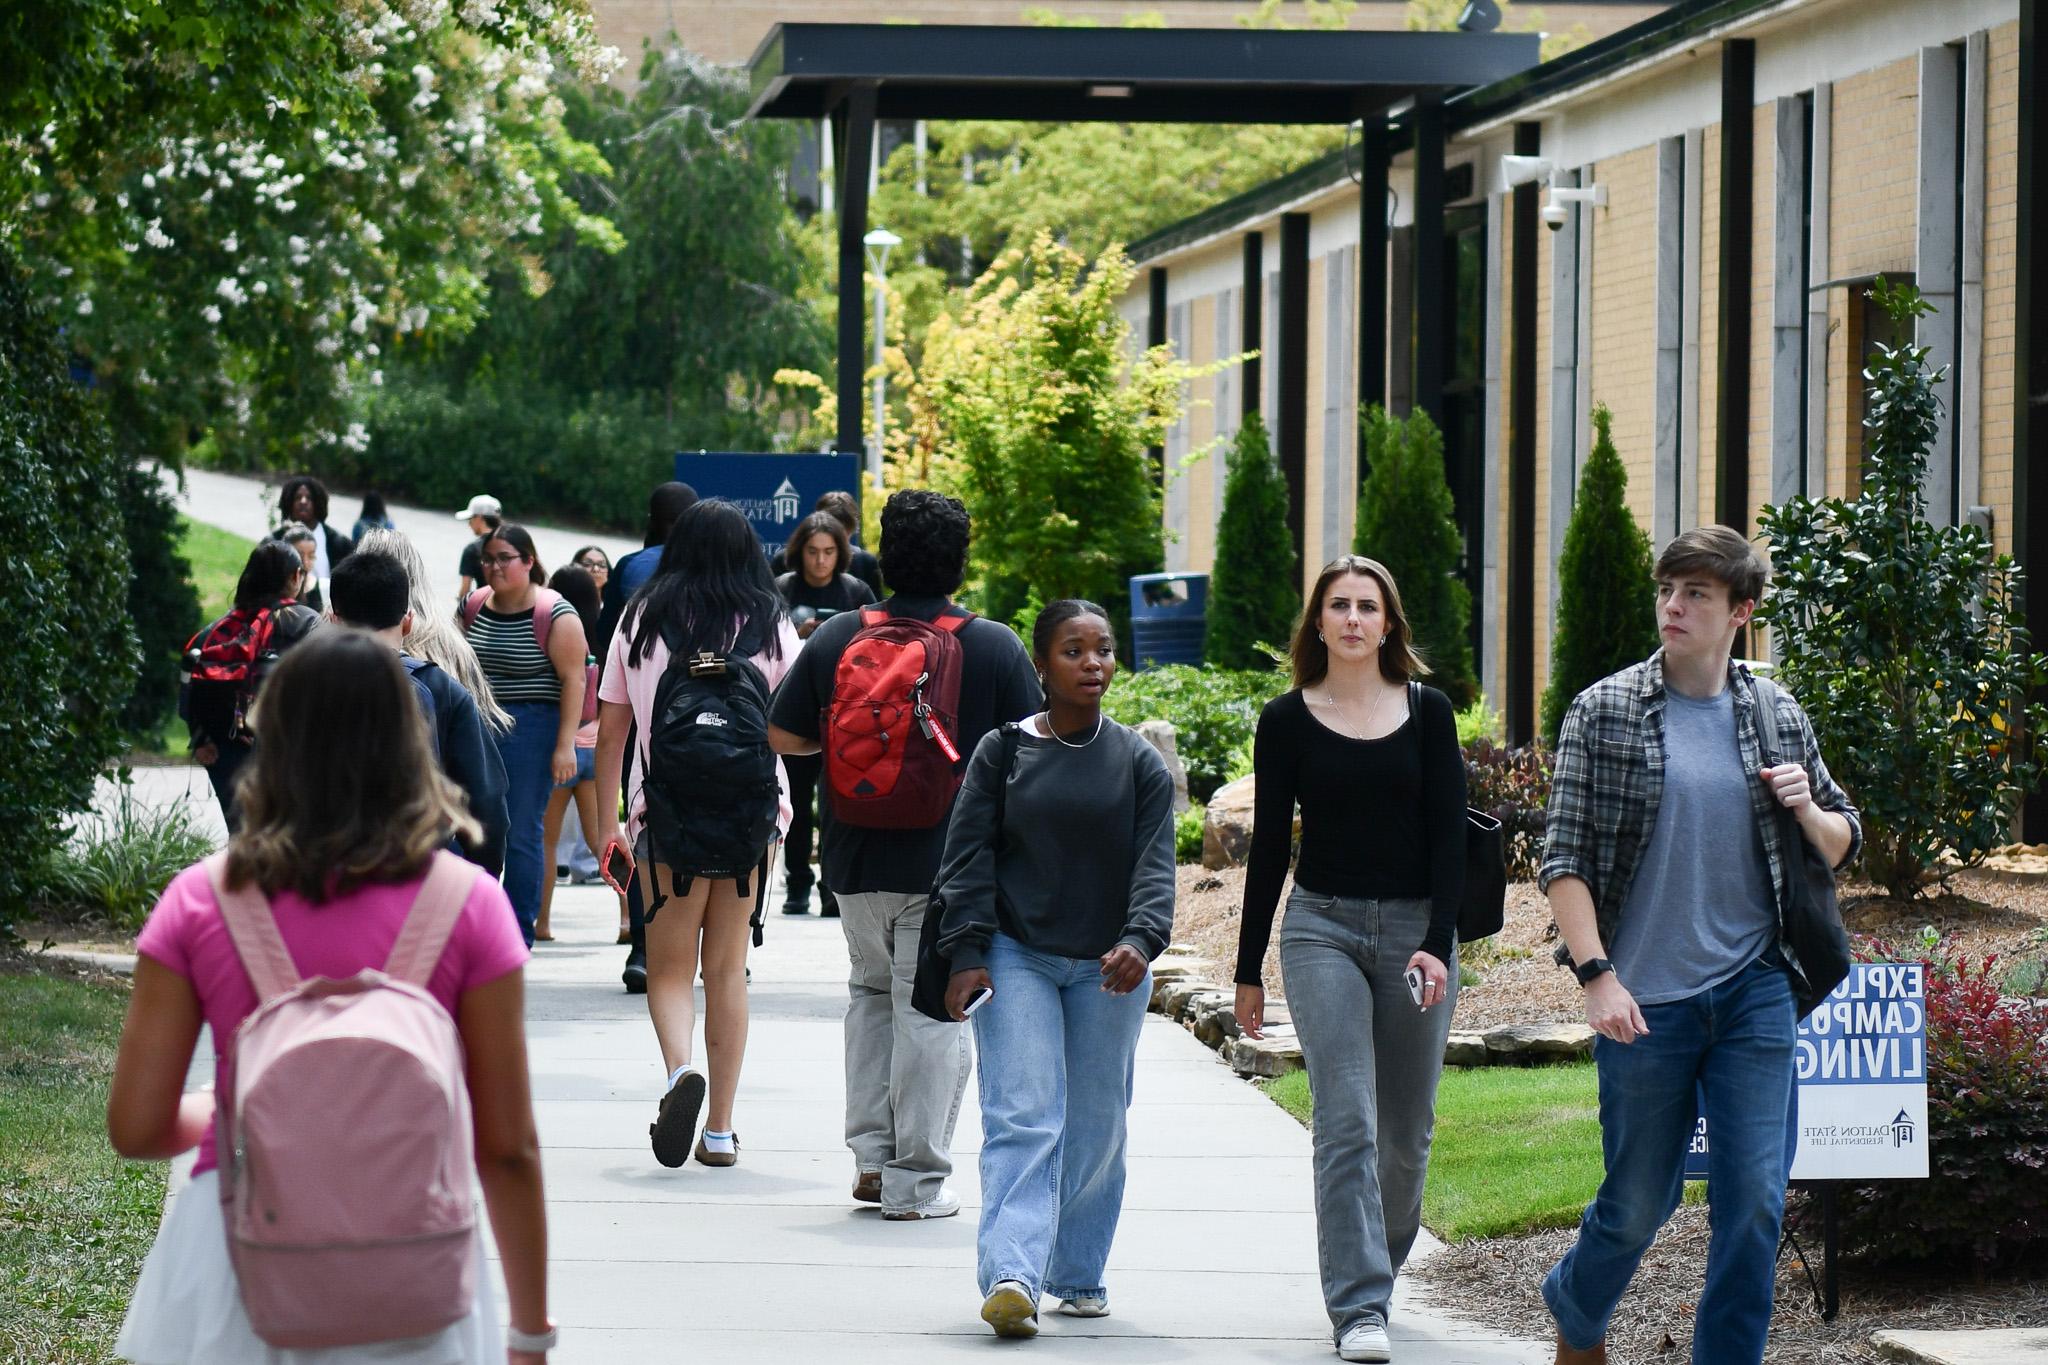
(775, 491)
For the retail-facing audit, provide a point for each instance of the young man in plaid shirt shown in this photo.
(1665, 868)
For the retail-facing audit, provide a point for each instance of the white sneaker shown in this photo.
(1011, 1309)
(942, 1205)
(1366, 1341)
(1085, 1306)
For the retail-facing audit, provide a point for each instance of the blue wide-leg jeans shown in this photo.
(528, 751)
(1056, 1060)
(1733, 1043)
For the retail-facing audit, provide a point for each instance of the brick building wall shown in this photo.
(2001, 252)
(1624, 342)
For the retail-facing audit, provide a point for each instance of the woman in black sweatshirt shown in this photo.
(1058, 886)
(1369, 945)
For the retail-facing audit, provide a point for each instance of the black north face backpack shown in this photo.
(711, 789)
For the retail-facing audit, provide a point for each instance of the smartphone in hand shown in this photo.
(1417, 983)
(982, 995)
(618, 868)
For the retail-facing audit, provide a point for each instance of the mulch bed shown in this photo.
(1494, 1282)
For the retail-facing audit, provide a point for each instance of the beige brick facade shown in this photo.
(2001, 253)
(1624, 342)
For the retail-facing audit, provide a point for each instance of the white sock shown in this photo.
(717, 1142)
(677, 1075)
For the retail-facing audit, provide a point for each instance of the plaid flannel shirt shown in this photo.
(1607, 781)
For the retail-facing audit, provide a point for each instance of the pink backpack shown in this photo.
(343, 1134)
(544, 600)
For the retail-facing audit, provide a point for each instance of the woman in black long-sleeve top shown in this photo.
(1369, 942)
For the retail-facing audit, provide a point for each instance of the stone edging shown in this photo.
(1185, 989)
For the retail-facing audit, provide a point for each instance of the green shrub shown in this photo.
(1606, 594)
(1255, 591)
(1187, 834)
(161, 600)
(72, 655)
(1214, 710)
(1478, 721)
(1408, 522)
(115, 865)
(1985, 1200)
(1513, 786)
(1905, 642)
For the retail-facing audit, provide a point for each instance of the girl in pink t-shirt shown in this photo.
(711, 593)
(343, 811)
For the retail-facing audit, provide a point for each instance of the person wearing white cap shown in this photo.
(483, 514)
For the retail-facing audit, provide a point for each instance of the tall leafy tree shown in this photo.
(1255, 591)
(1606, 595)
(1407, 521)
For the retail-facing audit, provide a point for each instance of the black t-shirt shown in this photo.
(472, 566)
(997, 683)
(862, 565)
(844, 593)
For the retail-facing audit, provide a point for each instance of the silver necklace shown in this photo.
(1046, 717)
(1330, 700)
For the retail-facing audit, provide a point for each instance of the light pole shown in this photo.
(878, 243)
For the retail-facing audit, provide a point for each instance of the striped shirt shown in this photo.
(518, 668)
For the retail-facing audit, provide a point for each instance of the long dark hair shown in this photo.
(516, 536)
(266, 575)
(712, 574)
(579, 590)
(818, 523)
(291, 493)
(344, 789)
(373, 509)
(1399, 659)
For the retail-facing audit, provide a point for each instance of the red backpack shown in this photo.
(890, 759)
(226, 661)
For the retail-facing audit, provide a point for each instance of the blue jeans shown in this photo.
(1373, 1062)
(1734, 1043)
(1056, 1056)
(528, 750)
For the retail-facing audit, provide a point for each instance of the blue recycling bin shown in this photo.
(1169, 617)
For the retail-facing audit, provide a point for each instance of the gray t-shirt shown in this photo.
(1699, 909)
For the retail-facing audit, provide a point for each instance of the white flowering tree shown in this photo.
(241, 221)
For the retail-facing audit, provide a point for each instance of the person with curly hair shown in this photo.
(304, 500)
(905, 1074)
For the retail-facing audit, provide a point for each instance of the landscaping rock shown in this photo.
(1274, 1055)
(1215, 1021)
(1173, 966)
(1169, 997)
(1994, 1346)
(1466, 1049)
(1539, 1042)
(1161, 735)
(1227, 828)
(1208, 997)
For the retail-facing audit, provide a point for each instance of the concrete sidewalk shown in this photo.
(1214, 1261)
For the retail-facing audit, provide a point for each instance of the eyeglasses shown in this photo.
(592, 564)
(503, 560)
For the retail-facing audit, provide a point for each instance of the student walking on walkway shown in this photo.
(530, 643)
(1057, 889)
(698, 651)
(1665, 848)
(1373, 764)
(335, 872)
(905, 1074)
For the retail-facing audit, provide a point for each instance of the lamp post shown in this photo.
(878, 243)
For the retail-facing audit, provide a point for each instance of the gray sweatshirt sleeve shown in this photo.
(1149, 927)
(967, 871)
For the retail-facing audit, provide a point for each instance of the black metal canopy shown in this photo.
(856, 74)
(1209, 75)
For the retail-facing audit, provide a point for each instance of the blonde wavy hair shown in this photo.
(343, 788)
(434, 636)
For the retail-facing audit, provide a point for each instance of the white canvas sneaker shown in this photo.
(1366, 1341)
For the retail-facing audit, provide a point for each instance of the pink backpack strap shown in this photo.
(253, 929)
(432, 919)
(473, 604)
(544, 600)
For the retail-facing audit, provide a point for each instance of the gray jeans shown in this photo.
(1373, 1062)
(905, 1073)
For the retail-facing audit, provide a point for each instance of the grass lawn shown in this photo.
(1517, 1149)
(75, 1220)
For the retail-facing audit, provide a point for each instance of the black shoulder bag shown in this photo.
(1811, 927)
(1483, 909)
(934, 968)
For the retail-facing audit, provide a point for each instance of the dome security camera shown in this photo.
(1554, 216)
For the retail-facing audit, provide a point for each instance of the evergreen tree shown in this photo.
(1255, 591)
(1606, 595)
(1408, 522)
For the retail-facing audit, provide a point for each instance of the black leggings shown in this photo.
(805, 772)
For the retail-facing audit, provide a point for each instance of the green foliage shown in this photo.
(1254, 594)
(216, 558)
(1214, 711)
(1044, 423)
(1513, 786)
(1408, 522)
(1478, 721)
(1985, 1200)
(161, 600)
(115, 865)
(72, 655)
(78, 1219)
(1606, 594)
(1905, 642)
(1187, 834)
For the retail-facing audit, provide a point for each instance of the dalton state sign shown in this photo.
(1859, 1107)
(775, 491)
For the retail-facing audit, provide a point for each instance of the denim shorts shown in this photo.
(586, 769)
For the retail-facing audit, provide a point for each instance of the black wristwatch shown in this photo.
(1591, 968)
